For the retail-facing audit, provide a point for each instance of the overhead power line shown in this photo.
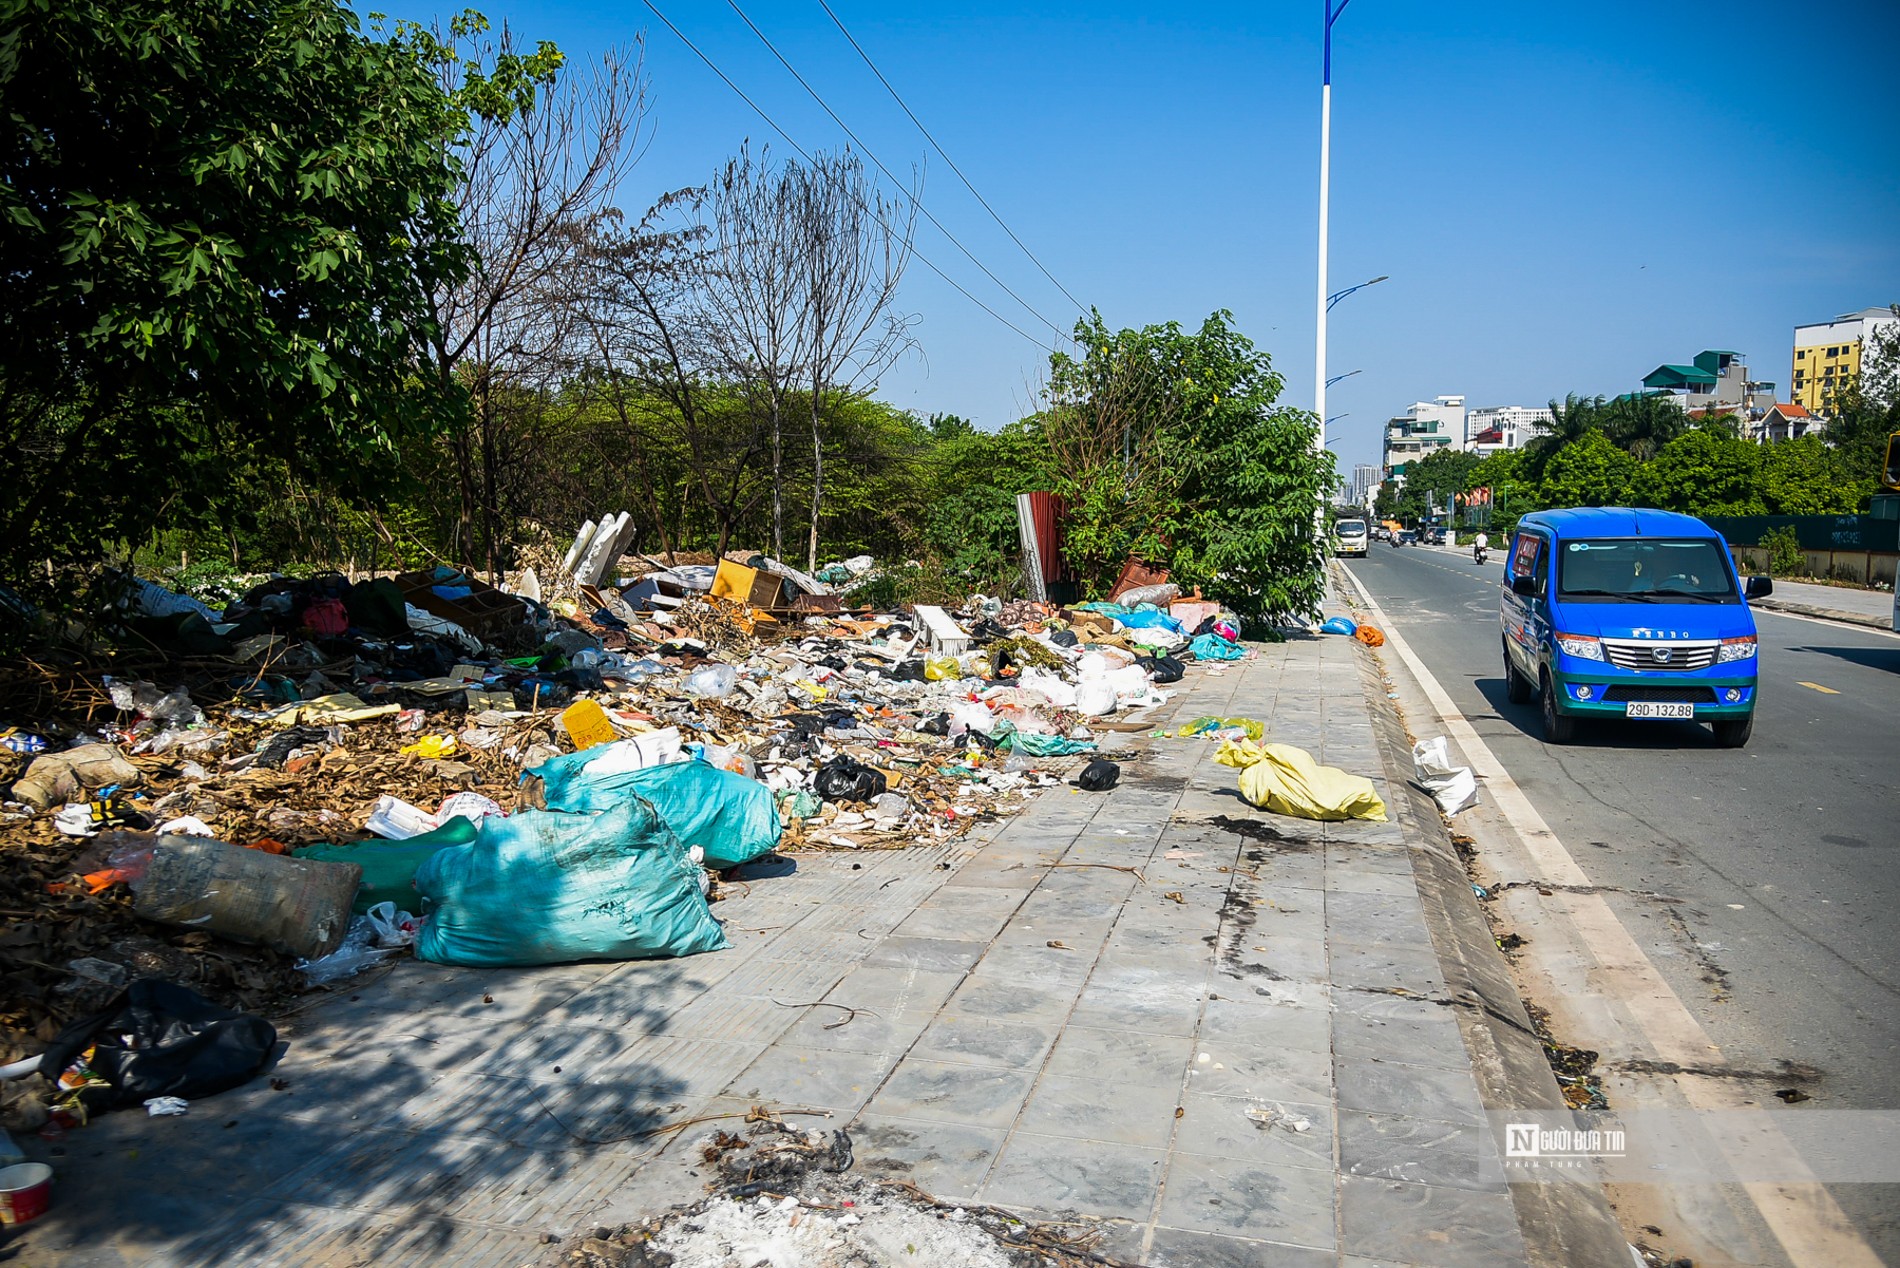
(787, 137)
(891, 176)
(936, 145)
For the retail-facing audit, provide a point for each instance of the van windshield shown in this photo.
(1645, 570)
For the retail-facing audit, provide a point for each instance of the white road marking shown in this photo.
(1804, 1217)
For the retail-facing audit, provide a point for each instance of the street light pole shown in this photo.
(1325, 194)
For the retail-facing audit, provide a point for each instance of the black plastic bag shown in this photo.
(937, 725)
(1162, 668)
(161, 1039)
(1099, 775)
(842, 779)
(988, 630)
(1064, 638)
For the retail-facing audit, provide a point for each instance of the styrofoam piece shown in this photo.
(610, 558)
(941, 631)
(581, 541)
(603, 553)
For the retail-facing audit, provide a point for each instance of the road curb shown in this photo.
(1562, 1224)
(1825, 614)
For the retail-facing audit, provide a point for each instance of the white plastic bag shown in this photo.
(1095, 696)
(1454, 788)
(389, 927)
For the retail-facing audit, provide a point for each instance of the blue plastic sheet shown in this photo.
(732, 818)
(1339, 625)
(1214, 647)
(544, 887)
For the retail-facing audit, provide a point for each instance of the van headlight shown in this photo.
(1585, 646)
(1736, 649)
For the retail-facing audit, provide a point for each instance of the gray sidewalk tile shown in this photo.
(937, 955)
(1398, 1147)
(1119, 1057)
(893, 989)
(1275, 958)
(1426, 1039)
(946, 1160)
(1269, 1203)
(1088, 1177)
(955, 922)
(841, 1081)
(1269, 1073)
(1404, 966)
(1262, 1023)
(1218, 1127)
(1416, 1091)
(834, 1030)
(1428, 1225)
(1182, 1248)
(1096, 1108)
(938, 1091)
(1007, 998)
(982, 1041)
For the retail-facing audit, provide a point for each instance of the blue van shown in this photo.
(1611, 612)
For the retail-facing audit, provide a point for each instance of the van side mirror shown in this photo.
(1760, 587)
(1524, 585)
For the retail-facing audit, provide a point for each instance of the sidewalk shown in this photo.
(1836, 603)
(1045, 1032)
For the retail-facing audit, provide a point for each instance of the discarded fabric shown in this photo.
(1286, 780)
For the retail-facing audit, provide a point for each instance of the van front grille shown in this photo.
(1642, 653)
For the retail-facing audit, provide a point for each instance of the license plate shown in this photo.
(1655, 709)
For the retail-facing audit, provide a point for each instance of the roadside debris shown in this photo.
(782, 1196)
(219, 799)
(1454, 788)
(1286, 780)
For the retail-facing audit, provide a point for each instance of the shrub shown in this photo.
(1785, 557)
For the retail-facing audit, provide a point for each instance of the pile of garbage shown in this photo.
(782, 1195)
(329, 773)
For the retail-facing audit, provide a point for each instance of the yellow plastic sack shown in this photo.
(1287, 781)
(435, 746)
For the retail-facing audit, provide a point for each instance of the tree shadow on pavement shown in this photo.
(1885, 656)
(448, 1114)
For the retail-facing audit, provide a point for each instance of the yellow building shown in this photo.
(1827, 354)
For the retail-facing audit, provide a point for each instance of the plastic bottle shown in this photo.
(711, 681)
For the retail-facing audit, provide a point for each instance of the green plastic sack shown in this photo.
(1048, 745)
(389, 867)
(545, 887)
(732, 818)
(1214, 647)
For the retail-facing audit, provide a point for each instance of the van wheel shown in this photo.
(1558, 729)
(1517, 688)
(1735, 733)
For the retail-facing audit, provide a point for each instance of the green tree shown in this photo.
(1589, 471)
(220, 222)
(1570, 420)
(1171, 446)
(1641, 424)
(1704, 471)
(1865, 411)
(1805, 477)
(1438, 477)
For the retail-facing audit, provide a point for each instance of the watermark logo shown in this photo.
(1563, 1146)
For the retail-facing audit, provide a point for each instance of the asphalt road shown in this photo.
(1785, 854)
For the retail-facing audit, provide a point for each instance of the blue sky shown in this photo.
(1563, 195)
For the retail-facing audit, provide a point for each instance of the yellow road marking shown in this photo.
(1815, 686)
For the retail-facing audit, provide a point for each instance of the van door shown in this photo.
(1526, 617)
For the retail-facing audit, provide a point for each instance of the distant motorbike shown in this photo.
(1479, 554)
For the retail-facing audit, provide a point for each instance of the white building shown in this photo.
(1828, 353)
(1424, 428)
(1364, 485)
(1490, 428)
